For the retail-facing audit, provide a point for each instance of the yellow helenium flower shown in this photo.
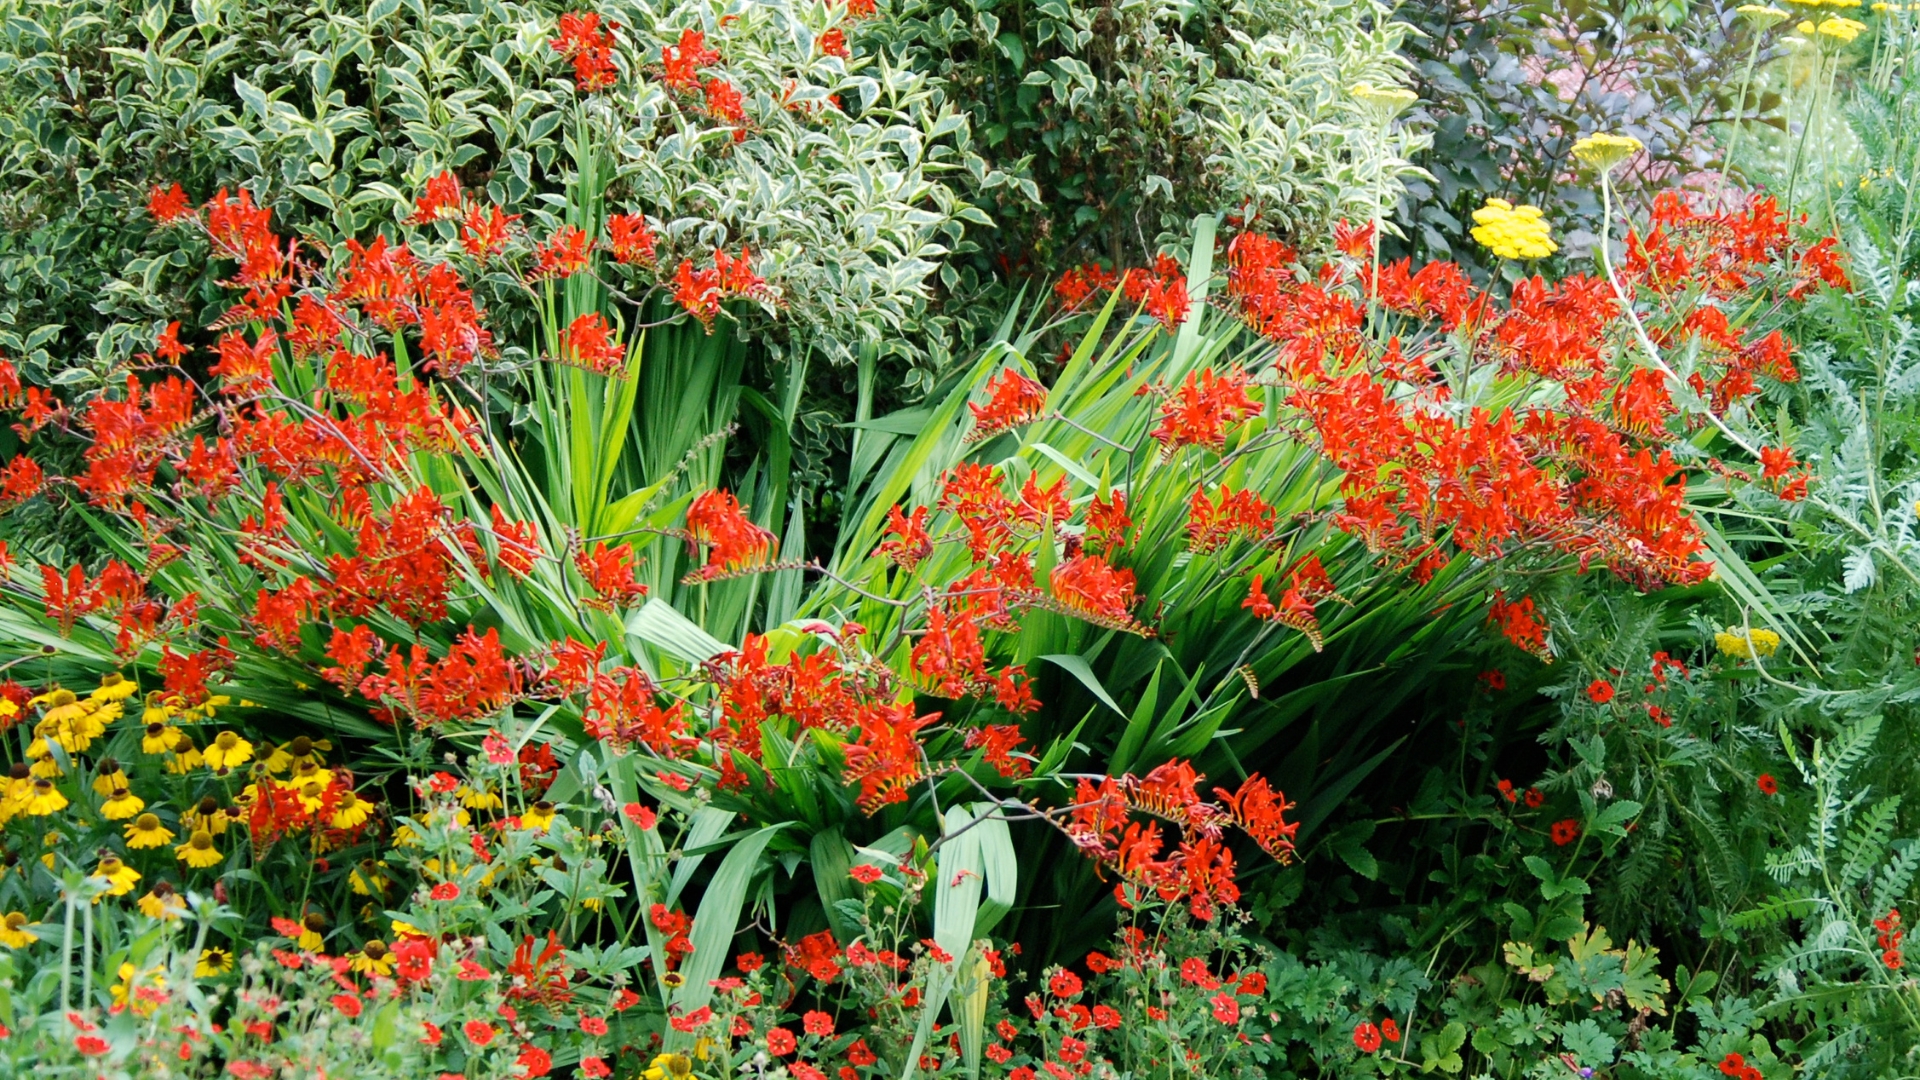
(374, 958)
(228, 751)
(1603, 151)
(162, 903)
(14, 933)
(198, 852)
(130, 977)
(299, 750)
(1747, 644)
(352, 811)
(215, 960)
(45, 799)
(114, 687)
(310, 928)
(1513, 232)
(158, 738)
(147, 832)
(184, 756)
(479, 798)
(121, 805)
(109, 777)
(118, 876)
(366, 879)
(538, 816)
(676, 1066)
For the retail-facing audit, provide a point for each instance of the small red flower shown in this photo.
(90, 1045)
(640, 815)
(1390, 1029)
(1565, 832)
(818, 1023)
(348, 1005)
(593, 1025)
(1767, 784)
(1064, 984)
(1732, 1064)
(446, 890)
(1534, 798)
(478, 1032)
(865, 873)
(780, 1042)
(1226, 1008)
(1600, 690)
(594, 1068)
(1367, 1038)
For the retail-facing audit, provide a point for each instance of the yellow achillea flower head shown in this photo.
(1764, 16)
(1747, 644)
(1513, 232)
(1603, 151)
(1388, 101)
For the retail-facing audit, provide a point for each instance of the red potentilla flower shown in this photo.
(1507, 792)
(1390, 1030)
(1367, 1038)
(1534, 798)
(478, 1032)
(348, 1004)
(1732, 1064)
(1565, 832)
(865, 873)
(1064, 984)
(643, 816)
(818, 1023)
(780, 1042)
(1767, 784)
(90, 1045)
(1226, 1008)
(749, 962)
(593, 1025)
(446, 890)
(535, 1060)
(860, 1054)
(594, 1068)
(1892, 959)
(1600, 690)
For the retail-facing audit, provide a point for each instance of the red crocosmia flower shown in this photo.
(1600, 690)
(1226, 1008)
(1767, 784)
(865, 873)
(1012, 399)
(446, 890)
(1367, 1037)
(441, 200)
(684, 61)
(168, 205)
(631, 239)
(478, 1032)
(583, 40)
(348, 1004)
(1565, 832)
(1390, 1030)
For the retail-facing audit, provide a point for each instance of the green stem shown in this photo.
(1806, 126)
(1740, 110)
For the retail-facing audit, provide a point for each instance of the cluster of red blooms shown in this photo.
(1889, 935)
(1197, 867)
(587, 42)
(681, 66)
(1735, 1066)
(1590, 477)
(1367, 1035)
(1161, 292)
(1013, 399)
(1307, 586)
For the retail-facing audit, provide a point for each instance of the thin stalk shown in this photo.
(1806, 126)
(1740, 110)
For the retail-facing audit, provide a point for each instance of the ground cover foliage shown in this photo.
(861, 540)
